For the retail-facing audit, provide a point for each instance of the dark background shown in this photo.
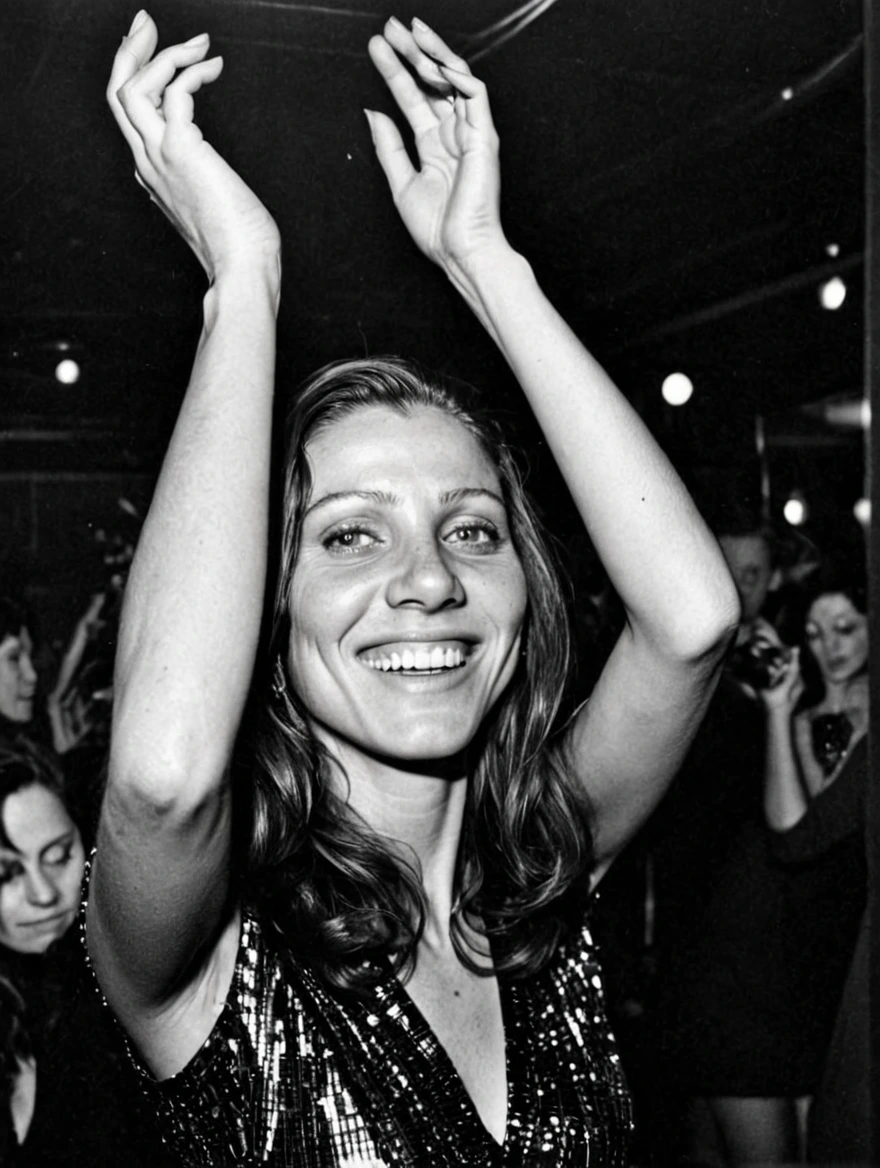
(678, 173)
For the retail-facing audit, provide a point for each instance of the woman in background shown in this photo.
(782, 928)
(41, 869)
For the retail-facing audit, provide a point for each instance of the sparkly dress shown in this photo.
(295, 1076)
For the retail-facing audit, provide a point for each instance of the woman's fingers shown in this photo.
(178, 106)
(404, 42)
(476, 98)
(444, 73)
(411, 100)
(134, 52)
(390, 151)
(429, 43)
(142, 96)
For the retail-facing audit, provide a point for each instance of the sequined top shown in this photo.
(294, 1075)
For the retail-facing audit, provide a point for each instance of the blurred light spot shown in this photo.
(832, 293)
(67, 372)
(787, 93)
(862, 511)
(795, 510)
(832, 249)
(677, 389)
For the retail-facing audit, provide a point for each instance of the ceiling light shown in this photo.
(67, 372)
(677, 389)
(832, 293)
(795, 509)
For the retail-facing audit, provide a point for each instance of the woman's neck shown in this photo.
(420, 809)
(840, 696)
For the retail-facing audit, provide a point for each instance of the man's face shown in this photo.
(748, 557)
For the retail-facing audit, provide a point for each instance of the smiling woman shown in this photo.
(347, 922)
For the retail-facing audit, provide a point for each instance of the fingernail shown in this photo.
(369, 114)
(197, 40)
(137, 22)
(420, 24)
(394, 20)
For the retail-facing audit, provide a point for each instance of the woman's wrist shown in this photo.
(486, 278)
(245, 286)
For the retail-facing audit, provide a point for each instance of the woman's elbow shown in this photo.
(708, 625)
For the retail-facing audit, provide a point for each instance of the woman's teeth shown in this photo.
(420, 660)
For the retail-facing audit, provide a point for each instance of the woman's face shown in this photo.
(18, 678)
(837, 635)
(407, 597)
(41, 869)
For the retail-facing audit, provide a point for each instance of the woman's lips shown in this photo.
(47, 924)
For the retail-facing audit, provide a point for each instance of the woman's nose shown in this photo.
(424, 578)
(26, 668)
(40, 890)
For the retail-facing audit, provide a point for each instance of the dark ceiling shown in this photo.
(682, 175)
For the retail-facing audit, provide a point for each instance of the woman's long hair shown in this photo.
(327, 883)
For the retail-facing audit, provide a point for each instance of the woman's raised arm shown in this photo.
(680, 601)
(158, 906)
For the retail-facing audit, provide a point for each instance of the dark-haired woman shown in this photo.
(777, 946)
(60, 1058)
(396, 967)
(41, 868)
(18, 676)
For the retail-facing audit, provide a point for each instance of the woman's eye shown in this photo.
(350, 540)
(474, 534)
(59, 855)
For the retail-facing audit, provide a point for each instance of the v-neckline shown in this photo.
(434, 1050)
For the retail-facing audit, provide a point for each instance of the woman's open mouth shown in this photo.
(424, 658)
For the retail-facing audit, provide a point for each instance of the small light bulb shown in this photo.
(787, 93)
(832, 249)
(677, 389)
(862, 511)
(67, 371)
(832, 293)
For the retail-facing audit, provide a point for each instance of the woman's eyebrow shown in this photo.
(390, 499)
(367, 496)
(459, 493)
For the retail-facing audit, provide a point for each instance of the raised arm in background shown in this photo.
(193, 601)
(786, 796)
(681, 605)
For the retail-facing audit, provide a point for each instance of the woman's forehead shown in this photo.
(832, 604)
(31, 815)
(377, 441)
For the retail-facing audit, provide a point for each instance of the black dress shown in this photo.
(759, 990)
(294, 1075)
(89, 1110)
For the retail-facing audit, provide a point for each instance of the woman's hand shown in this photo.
(151, 96)
(786, 684)
(450, 205)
